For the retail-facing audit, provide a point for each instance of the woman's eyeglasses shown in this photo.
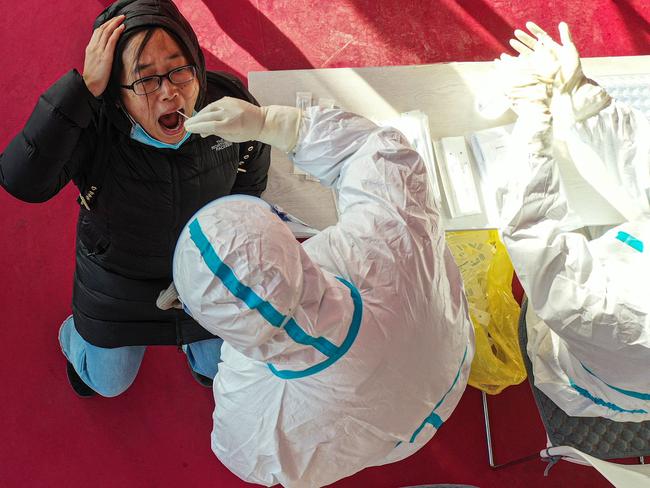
(150, 84)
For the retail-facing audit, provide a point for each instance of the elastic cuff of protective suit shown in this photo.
(588, 100)
(71, 98)
(280, 128)
(303, 127)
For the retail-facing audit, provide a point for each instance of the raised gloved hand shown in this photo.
(527, 80)
(565, 55)
(584, 97)
(168, 298)
(237, 121)
(529, 92)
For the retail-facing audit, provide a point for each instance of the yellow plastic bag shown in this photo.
(487, 273)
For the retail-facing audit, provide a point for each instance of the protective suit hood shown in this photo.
(141, 14)
(254, 284)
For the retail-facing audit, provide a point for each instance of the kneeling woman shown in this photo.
(116, 132)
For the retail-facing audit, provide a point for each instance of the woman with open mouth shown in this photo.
(116, 131)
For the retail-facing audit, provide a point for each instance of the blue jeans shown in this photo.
(111, 371)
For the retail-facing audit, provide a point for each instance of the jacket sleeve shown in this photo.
(584, 290)
(47, 153)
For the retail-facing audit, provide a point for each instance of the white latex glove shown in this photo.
(237, 121)
(527, 83)
(526, 80)
(569, 69)
(168, 298)
(584, 96)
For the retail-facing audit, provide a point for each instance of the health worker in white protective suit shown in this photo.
(589, 302)
(349, 350)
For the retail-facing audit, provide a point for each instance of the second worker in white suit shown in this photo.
(588, 317)
(349, 350)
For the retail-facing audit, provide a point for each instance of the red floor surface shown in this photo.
(157, 433)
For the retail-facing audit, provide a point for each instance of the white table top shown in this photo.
(446, 92)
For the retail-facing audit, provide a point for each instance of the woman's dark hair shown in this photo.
(118, 62)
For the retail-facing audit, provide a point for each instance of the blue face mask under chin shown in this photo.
(140, 135)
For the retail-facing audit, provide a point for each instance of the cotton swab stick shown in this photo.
(186, 116)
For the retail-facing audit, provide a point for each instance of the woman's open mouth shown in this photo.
(172, 123)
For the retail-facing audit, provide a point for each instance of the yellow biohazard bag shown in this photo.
(487, 273)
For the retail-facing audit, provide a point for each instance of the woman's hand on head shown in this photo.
(99, 55)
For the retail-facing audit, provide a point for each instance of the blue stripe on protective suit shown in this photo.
(630, 240)
(250, 298)
(272, 316)
(433, 418)
(631, 393)
(353, 330)
(600, 401)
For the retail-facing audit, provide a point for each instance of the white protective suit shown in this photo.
(349, 350)
(588, 322)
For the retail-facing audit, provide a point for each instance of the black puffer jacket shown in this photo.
(139, 197)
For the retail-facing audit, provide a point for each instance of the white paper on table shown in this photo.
(298, 172)
(490, 149)
(458, 176)
(620, 475)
